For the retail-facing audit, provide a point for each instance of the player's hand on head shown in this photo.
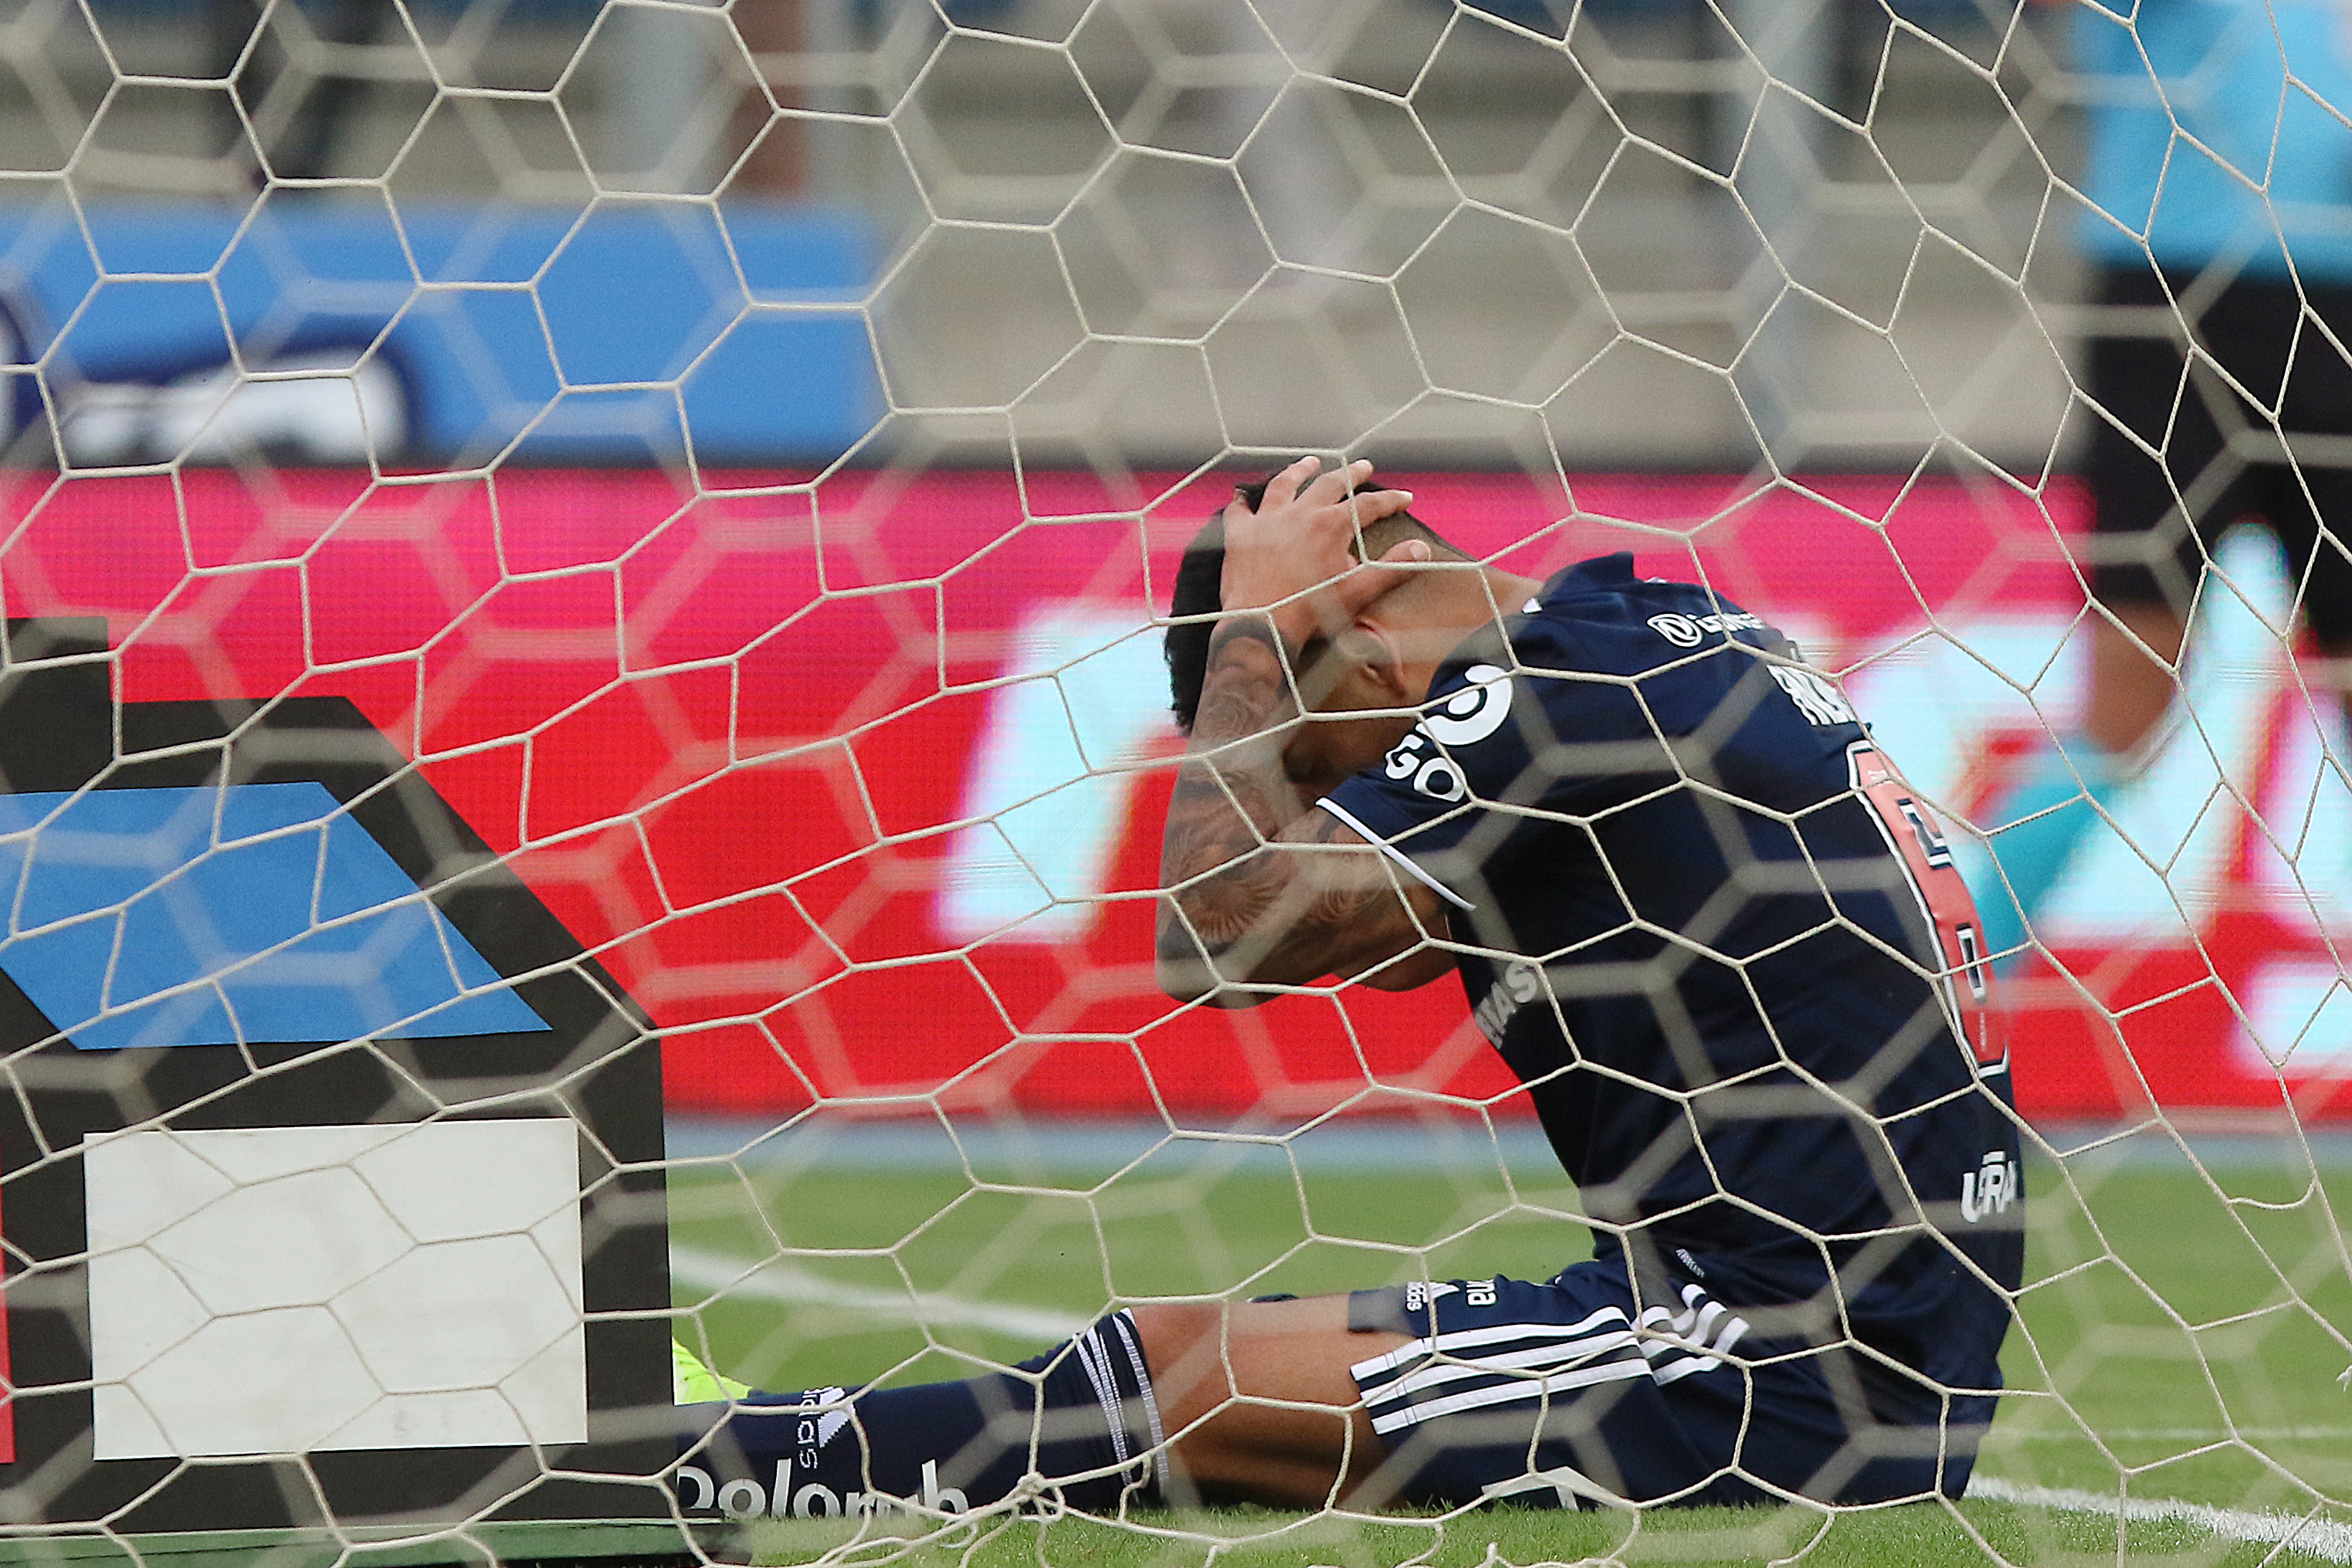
(1295, 556)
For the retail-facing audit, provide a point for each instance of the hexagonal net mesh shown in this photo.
(590, 594)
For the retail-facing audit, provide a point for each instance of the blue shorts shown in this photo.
(1550, 1393)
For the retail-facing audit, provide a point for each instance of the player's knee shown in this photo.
(1172, 1330)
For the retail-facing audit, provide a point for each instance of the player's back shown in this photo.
(1680, 874)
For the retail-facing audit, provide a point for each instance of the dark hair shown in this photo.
(1200, 580)
(1200, 585)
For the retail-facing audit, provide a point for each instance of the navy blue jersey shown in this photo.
(1728, 952)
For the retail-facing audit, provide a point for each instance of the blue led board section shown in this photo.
(204, 916)
(500, 323)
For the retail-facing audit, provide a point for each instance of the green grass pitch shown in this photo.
(2175, 1340)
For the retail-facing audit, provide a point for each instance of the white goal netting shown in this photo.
(585, 729)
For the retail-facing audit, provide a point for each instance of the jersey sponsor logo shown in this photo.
(1431, 774)
(1819, 701)
(1690, 631)
(1514, 988)
(1992, 1187)
(1466, 717)
(1475, 712)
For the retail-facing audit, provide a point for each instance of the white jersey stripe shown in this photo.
(1395, 855)
(1524, 1363)
(1675, 1371)
(1659, 1341)
(1694, 1355)
(1495, 1334)
(1529, 1390)
(1659, 1335)
(1537, 1358)
(1534, 1390)
(1529, 1339)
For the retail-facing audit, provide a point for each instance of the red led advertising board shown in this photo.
(856, 785)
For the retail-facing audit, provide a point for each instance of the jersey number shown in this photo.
(1912, 832)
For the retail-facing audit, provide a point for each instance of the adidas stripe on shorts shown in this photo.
(1569, 1393)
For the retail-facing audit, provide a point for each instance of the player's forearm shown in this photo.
(1233, 894)
(1255, 898)
(1314, 902)
(1232, 798)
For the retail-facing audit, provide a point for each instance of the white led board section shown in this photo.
(287, 1290)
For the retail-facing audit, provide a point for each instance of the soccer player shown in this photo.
(1696, 913)
(2220, 178)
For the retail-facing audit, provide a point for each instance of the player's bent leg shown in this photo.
(1250, 1401)
(1568, 1392)
(1259, 1402)
(1573, 1393)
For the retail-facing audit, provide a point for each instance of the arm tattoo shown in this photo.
(1239, 891)
(1232, 796)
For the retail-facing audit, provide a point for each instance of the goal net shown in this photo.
(585, 729)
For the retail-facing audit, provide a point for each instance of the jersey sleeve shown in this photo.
(1503, 752)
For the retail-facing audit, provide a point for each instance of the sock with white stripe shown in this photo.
(1079, 1422)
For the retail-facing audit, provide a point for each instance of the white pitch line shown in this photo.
(2319, 1538)
(791, 1283)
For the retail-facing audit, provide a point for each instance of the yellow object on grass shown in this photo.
(695, 1384)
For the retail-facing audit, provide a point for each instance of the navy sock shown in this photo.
(1082, 1425)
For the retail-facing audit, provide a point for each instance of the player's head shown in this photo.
(1200, 578)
